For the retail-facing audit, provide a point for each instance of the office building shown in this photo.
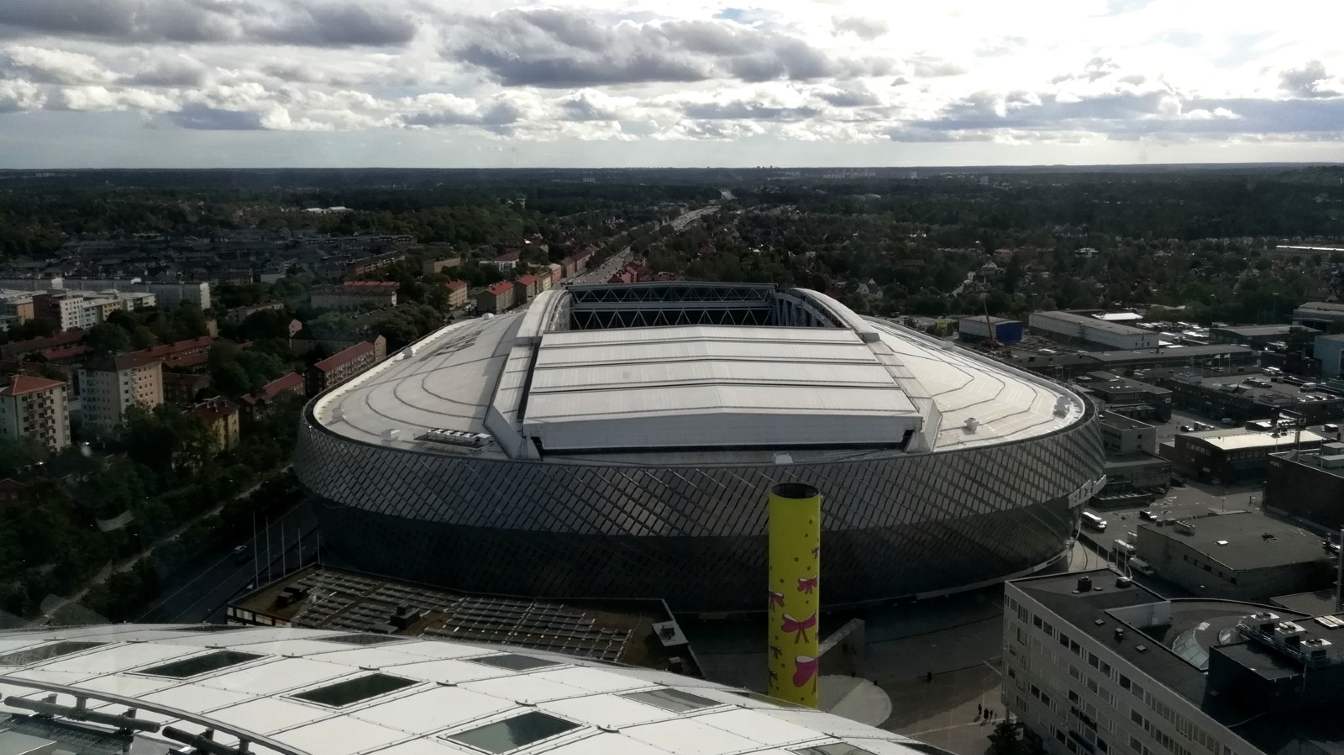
(1246, 397)
(1320, 315)
(1121, 435)
(640, 426)
(1005, 331)
(1085, 329)
(35, 410)
(1308, 485)
(155, 688)
(1097, 664)
(355, 295)
(1131, 398)
(1329, 351)
(495, 298)
(1259, 336)
(1243, 556)
(1234, 455)
(109, 386)
(340, 367)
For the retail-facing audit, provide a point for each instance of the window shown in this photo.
(1073, 696)
(1135, 744)
(1137, 690)
(1106, 668)
(513, 661)
(1101, 745)
(1093, 661)
(1036, 621)
(1124, 682)
(513, 733)
(1092, 685)
(1074, 672)
(354, 690)
(673, 700)
(1076, 648)
(1049, 630)
(1063, 639)
(201, 664)
(45, 653)
(1059, 734)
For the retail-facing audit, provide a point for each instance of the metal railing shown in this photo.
(128, 721)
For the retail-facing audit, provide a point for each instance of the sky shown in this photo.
(611, 83)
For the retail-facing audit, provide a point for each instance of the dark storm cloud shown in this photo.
(212, 119)
(864, 28)
(1311, 80)
(564, 48)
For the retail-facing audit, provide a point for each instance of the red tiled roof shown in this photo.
(499, 288)
(63, 338)
(372, 284)
(286, 382)
(64, 352)
(21, 384)
(344, 356)
(455, 285)
(527, 280)
(179, 353)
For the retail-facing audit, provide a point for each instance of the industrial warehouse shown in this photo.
(619, 441)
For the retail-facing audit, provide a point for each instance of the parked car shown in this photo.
(1147, 516)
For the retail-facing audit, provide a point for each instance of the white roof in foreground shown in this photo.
(698, 386)
(332, 693)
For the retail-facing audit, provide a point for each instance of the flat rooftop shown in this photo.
(1312, 459)
(703, 386)
(1172, 652)
(1088, 321)
(1169, 353)
(1242, 541)
(1261, 331)
(322, 597)
(734, 393)
(1242, 439)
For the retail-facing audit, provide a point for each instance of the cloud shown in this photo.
(173, 70)
(93, 97)
(125, 20)
(567, 48)
(53, 66)
(18, 95)
(206, 118)
(435, 110)
(1310, 80)
(747, 110)
(855, 95)
(863, 28)
(338, 24)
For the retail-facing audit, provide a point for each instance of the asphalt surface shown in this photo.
(203, 593)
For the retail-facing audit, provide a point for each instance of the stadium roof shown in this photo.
(300, 691)
(733, 391)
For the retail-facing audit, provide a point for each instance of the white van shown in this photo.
(1093, 522)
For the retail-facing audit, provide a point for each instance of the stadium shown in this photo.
(619, 440)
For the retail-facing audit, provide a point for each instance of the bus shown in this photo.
(1093, 522)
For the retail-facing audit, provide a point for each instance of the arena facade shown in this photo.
(619, 440)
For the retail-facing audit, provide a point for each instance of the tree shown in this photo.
(107, 338)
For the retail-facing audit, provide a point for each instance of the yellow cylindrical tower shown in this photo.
(794, 533)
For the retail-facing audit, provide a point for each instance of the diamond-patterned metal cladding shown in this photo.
(693, 535)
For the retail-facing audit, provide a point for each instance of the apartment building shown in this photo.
(457, 293)
(340, 367)
(220, 417)
(108, 387)
(355, 295)
(35, 409)
(495, 298)
(1095, 663)
(84, 309)
(525, 288)
(165, 294)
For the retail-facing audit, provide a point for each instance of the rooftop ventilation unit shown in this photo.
(456, 438)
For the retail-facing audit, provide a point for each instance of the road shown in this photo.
(204, 594)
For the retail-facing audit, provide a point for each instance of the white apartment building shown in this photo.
(107, 388)
(85, 309)
(35, 409)
(1099, 665)
(1086, 329)
(166, 294)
